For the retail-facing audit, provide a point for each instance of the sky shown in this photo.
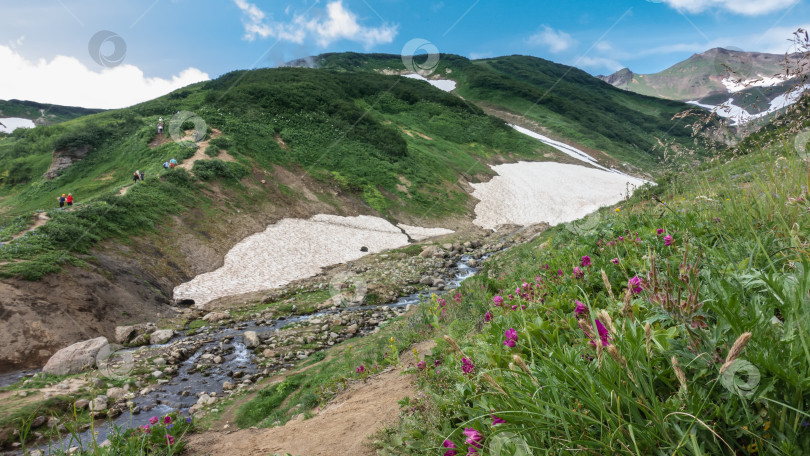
(115, 53)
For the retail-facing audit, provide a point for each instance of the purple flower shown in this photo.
(153, 420)
(421, 365)
(581, 309)
(167, 419)
(488, 316)
(621, 238)
(450, 453)
(448, 444)
(635, 284)
(586, 261)
(497, 420)
(559, 272)
(615, 261)
(360, 369)
(638, 239)
(471, 450)
(578, 272)
(436, 362)
(667, 240)
(498, 300)
(603, 333)
(188, 419)
(169, 439)
(467, 366)
(659, 231)
(474, 437)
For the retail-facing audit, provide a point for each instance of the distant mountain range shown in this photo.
(39, 113)
(740, 86)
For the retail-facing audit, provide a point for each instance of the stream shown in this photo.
(179, 392)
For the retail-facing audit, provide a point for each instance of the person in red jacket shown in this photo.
(69, 199)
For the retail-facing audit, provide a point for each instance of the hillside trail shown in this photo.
(199, 154)
(343, 426)
(40, 218)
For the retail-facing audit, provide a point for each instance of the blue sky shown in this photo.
(45, 56)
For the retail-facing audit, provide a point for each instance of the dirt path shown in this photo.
(341, 428)
(200, 153)
(39, 219)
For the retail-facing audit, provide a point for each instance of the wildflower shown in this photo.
(497, 420)
(621, 238)
(169, 439)
(615, 261)
(448, 444)
(511, 337)
(167, 419)
(638, 239)
(578, 272)
(559, 272)
(471, 450)
(360, 369)
(436, 362)
(467, 366)
(586, 261)
(169, 426)
(146, 429)
(457, 298)
(498, 300)
(667, 240)
(581, 309)
(153, 420)
(421, 365)
(474, 437)
(659, 231)
(635, 284)
(188, 419)
(616, 210)
(603, 333)
(488, 316)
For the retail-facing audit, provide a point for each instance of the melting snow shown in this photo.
(740, 116)
(444, 84)
(525, 193)
(735, 85)
(418, 233)
(10, 124)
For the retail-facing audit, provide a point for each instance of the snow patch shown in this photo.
(447, 85)
(526, 193)
(740, 116)
(418, 233)
(10, 124)
(735, 85)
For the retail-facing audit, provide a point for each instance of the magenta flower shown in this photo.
(450, 453)
(471, 450)
(586, 261)
(621, 238)
(169, 439)
(153, 420)
(603, 333)
(581, 309)
(436, 362)
(488, 316)
(497, 420)
(467, 366)
(578, 272)
(145, 428)
(448, 444)
(474, 437)
(559, 272)
(498, 300)
(667, 240)
(511, 337)
(659, 231)
(635, 284)
(167, 419)
(615, 261)
(360, 369)
(421, 365)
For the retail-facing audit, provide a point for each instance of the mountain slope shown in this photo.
(42, 113)
(557, 99)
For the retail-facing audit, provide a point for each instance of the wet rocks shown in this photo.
(127, 334)
(251, 339)
(161, 336)
(99, 404)
(76, 358)
(214, 317)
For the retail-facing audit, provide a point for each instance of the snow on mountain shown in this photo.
(447, 85)
(740, 116)
(735, 85)
(9, 124)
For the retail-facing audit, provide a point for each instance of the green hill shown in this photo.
(564, 101)
(42, 113)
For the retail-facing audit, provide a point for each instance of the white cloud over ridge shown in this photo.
(67, 81)
(745, 7)
(338, 23)
(555, 40)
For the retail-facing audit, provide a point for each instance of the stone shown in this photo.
(217, 360)
(38, 422)
(213, 317)
(77, 357)
(267, 353)
(141, 339)
(99, 404)
(352, 329)
(426, 280)
(159, 361)
(81, 404)
(227, 386)
(116, 394)
(124, 334)
(157, 374)
(251, 339)
(161, 336)
(364, 249)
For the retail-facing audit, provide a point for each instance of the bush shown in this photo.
(210, 169)
(212, 151)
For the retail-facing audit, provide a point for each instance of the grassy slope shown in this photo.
(566, 100)
(738, 260)
(50, 114)
(344, 129)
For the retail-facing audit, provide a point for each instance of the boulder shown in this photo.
(352, 329)
(76, 358)
(161, 336)
(116, 394)
(251, 339)
(431, 251)
(124, 334)
(213, 317)
(99, 404)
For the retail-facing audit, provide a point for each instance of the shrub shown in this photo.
(210, 169)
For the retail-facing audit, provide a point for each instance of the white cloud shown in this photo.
(554, 40)
(66, 81)
(601, 63)
(338, 23)
(481, 55)
(746, 7)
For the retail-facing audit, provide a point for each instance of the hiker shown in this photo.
(172, 163)
(160, 125)
(165, 165)
(61, 200)
(143, 176)
(136, 176)
(69, 199)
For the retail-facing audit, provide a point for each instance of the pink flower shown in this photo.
(450, 453)
(146, 429)
(621, 238)
(153, 420)
(474, 437)
(448, 444)
(421, 365)
(581, 309)
(467, 366)
(488, 316)
(360, 369)
(471, 450)
(511, 337)
(586, 261)
(498, 300)
(603, 333)
(436, 362)
(169, 439)
(615, 261)
(667, 240)
(497, 420)
(167, 419)
(559, 272)
(659, 231)
(635, 284)
(578, 272)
